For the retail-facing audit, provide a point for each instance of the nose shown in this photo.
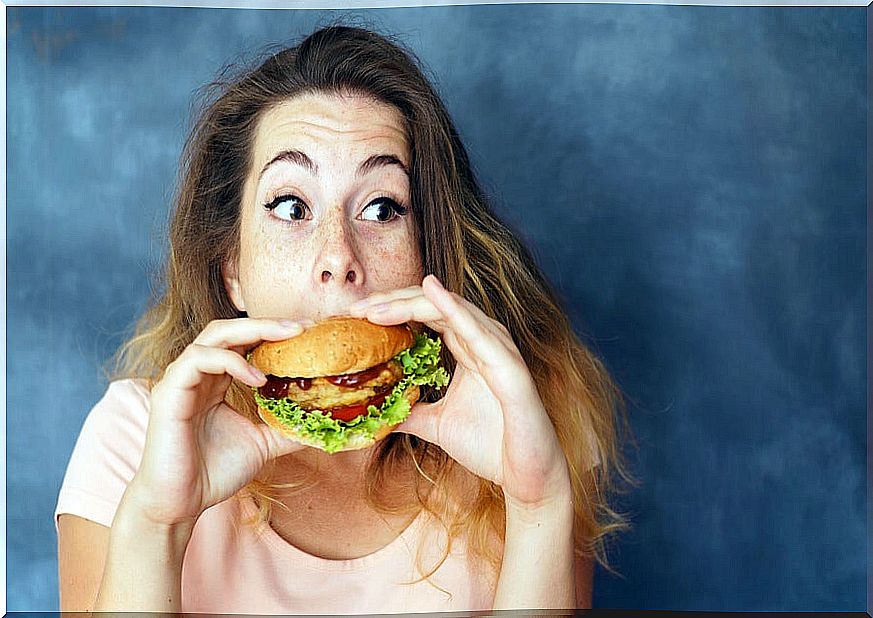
(326, 276)
(337, 263)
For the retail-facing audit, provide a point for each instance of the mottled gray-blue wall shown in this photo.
(692, 180)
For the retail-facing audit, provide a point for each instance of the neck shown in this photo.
(344, 474)
(343, 467)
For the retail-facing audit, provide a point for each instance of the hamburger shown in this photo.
(344, 383)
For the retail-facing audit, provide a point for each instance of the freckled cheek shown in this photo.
(393, 263)
(274, 278)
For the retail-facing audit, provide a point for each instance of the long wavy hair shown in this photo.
(460, 241)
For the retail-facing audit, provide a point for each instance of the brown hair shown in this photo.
(461, 242)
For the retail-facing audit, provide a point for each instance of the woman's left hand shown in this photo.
(491, 419)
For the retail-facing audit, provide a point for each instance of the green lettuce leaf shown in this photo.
(420, 368)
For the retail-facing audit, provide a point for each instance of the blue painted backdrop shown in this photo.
(691, 178)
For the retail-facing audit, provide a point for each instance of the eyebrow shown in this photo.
(300, 158)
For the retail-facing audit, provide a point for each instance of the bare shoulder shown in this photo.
(82, 546)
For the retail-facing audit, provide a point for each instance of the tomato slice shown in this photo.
(350, 413)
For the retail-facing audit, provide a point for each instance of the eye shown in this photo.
(383, 210)
(288, 208)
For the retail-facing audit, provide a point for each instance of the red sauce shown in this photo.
(304, 384)
(354, 379)
(277, 388)
(350, 413)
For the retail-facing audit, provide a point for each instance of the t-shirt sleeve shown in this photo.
(107, 453)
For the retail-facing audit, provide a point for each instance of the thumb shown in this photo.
(423, 421)
(279, 443)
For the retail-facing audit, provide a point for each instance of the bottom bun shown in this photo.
(356, 441)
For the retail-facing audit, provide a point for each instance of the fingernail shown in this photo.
(438, 282)
(257, 373)
(289, 324)
(381, 307)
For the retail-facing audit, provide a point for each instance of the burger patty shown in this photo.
(335, 391)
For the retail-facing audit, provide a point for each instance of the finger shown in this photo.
(400, 310)
(188, 371)
(197, 380)
(469, 327)
(423, 422)
(241, 333)
(419, 308)
(498, 329)
(361, 306)
(278, 444)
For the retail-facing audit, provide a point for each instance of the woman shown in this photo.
(330, 180)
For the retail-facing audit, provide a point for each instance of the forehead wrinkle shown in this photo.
(362, 135)
(292, 129)
(348, 128)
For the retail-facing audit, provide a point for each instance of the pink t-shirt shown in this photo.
(232, 567)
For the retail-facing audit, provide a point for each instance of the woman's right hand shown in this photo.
(198, 450)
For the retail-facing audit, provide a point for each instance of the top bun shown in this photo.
(335, 346)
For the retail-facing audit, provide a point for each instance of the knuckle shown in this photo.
(211, 327)
(192, 354)
(190, 351)
(173, 366)
(163, 387)
(518, 358)
(214, 328)
(177, 364)
(157, 390)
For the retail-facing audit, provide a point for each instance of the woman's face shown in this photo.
(325, 216)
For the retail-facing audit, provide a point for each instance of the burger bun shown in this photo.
(336, 346)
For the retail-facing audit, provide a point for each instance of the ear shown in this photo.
(230, 274)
